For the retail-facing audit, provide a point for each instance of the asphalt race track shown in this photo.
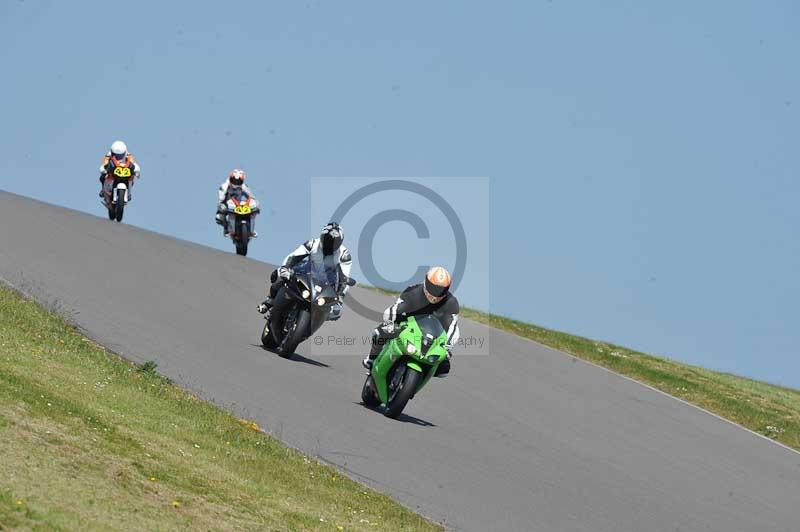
(526, 438)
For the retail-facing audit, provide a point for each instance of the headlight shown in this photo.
(306, 294)
(411, 348)
(321, 301)
(433, 359)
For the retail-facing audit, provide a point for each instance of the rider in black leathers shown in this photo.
(430, 297)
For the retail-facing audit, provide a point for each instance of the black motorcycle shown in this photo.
(302, 305)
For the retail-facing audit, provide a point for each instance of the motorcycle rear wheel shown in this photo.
(368, 396)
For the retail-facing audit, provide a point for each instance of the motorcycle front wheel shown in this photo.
(295, 335)
(266, 337)
(119, 209)
(403, 394)
(242, 237)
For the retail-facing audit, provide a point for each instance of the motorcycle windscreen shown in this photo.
(240, 195)
(431, 329)
(321, 275)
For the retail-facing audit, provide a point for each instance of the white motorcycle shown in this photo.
(240, 217)
(116, 193)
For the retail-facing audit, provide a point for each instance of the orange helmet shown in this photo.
(236, 177)
(437, 284)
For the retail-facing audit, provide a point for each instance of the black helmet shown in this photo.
(331, 238)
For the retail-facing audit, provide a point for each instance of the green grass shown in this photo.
(767, 409)
(90, 442)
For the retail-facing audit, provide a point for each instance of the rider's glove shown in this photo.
(222, 207)
(284, 273)
(449, 353)
(387, 328)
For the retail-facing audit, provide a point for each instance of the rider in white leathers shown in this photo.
(118, 152)
(327, 250)
(234, 183)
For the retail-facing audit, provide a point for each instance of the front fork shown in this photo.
(110, 190)
(232, 219)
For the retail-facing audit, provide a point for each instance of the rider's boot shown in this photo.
(374, 351)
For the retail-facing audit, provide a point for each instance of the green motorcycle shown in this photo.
(405, 364)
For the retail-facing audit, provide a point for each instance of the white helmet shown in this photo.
(119, 149)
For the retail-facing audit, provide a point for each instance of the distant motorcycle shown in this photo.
(311, 290)
(241, 210)
(405, 364)
(116, 193)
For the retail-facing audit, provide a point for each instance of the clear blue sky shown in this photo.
(643, 157)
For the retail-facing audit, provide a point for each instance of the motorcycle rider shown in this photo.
(232, 185)
(327, 250)
(432, 296)
(117, 155)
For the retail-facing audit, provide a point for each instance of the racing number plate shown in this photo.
(121, 171)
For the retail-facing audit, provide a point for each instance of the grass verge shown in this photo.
(767, 409)
(89, 441)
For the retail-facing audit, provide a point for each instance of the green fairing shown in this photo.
(396, 352)
(414, 366)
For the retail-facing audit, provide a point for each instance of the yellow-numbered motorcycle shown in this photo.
(116, 190)
(240, 219)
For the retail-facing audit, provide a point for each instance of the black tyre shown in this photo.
(295, 335)
(368, 396)
(242, 238)
(119, 210)
(266, 337)
(401, 396)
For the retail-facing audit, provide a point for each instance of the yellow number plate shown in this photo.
(121, 171)
(242, 209)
